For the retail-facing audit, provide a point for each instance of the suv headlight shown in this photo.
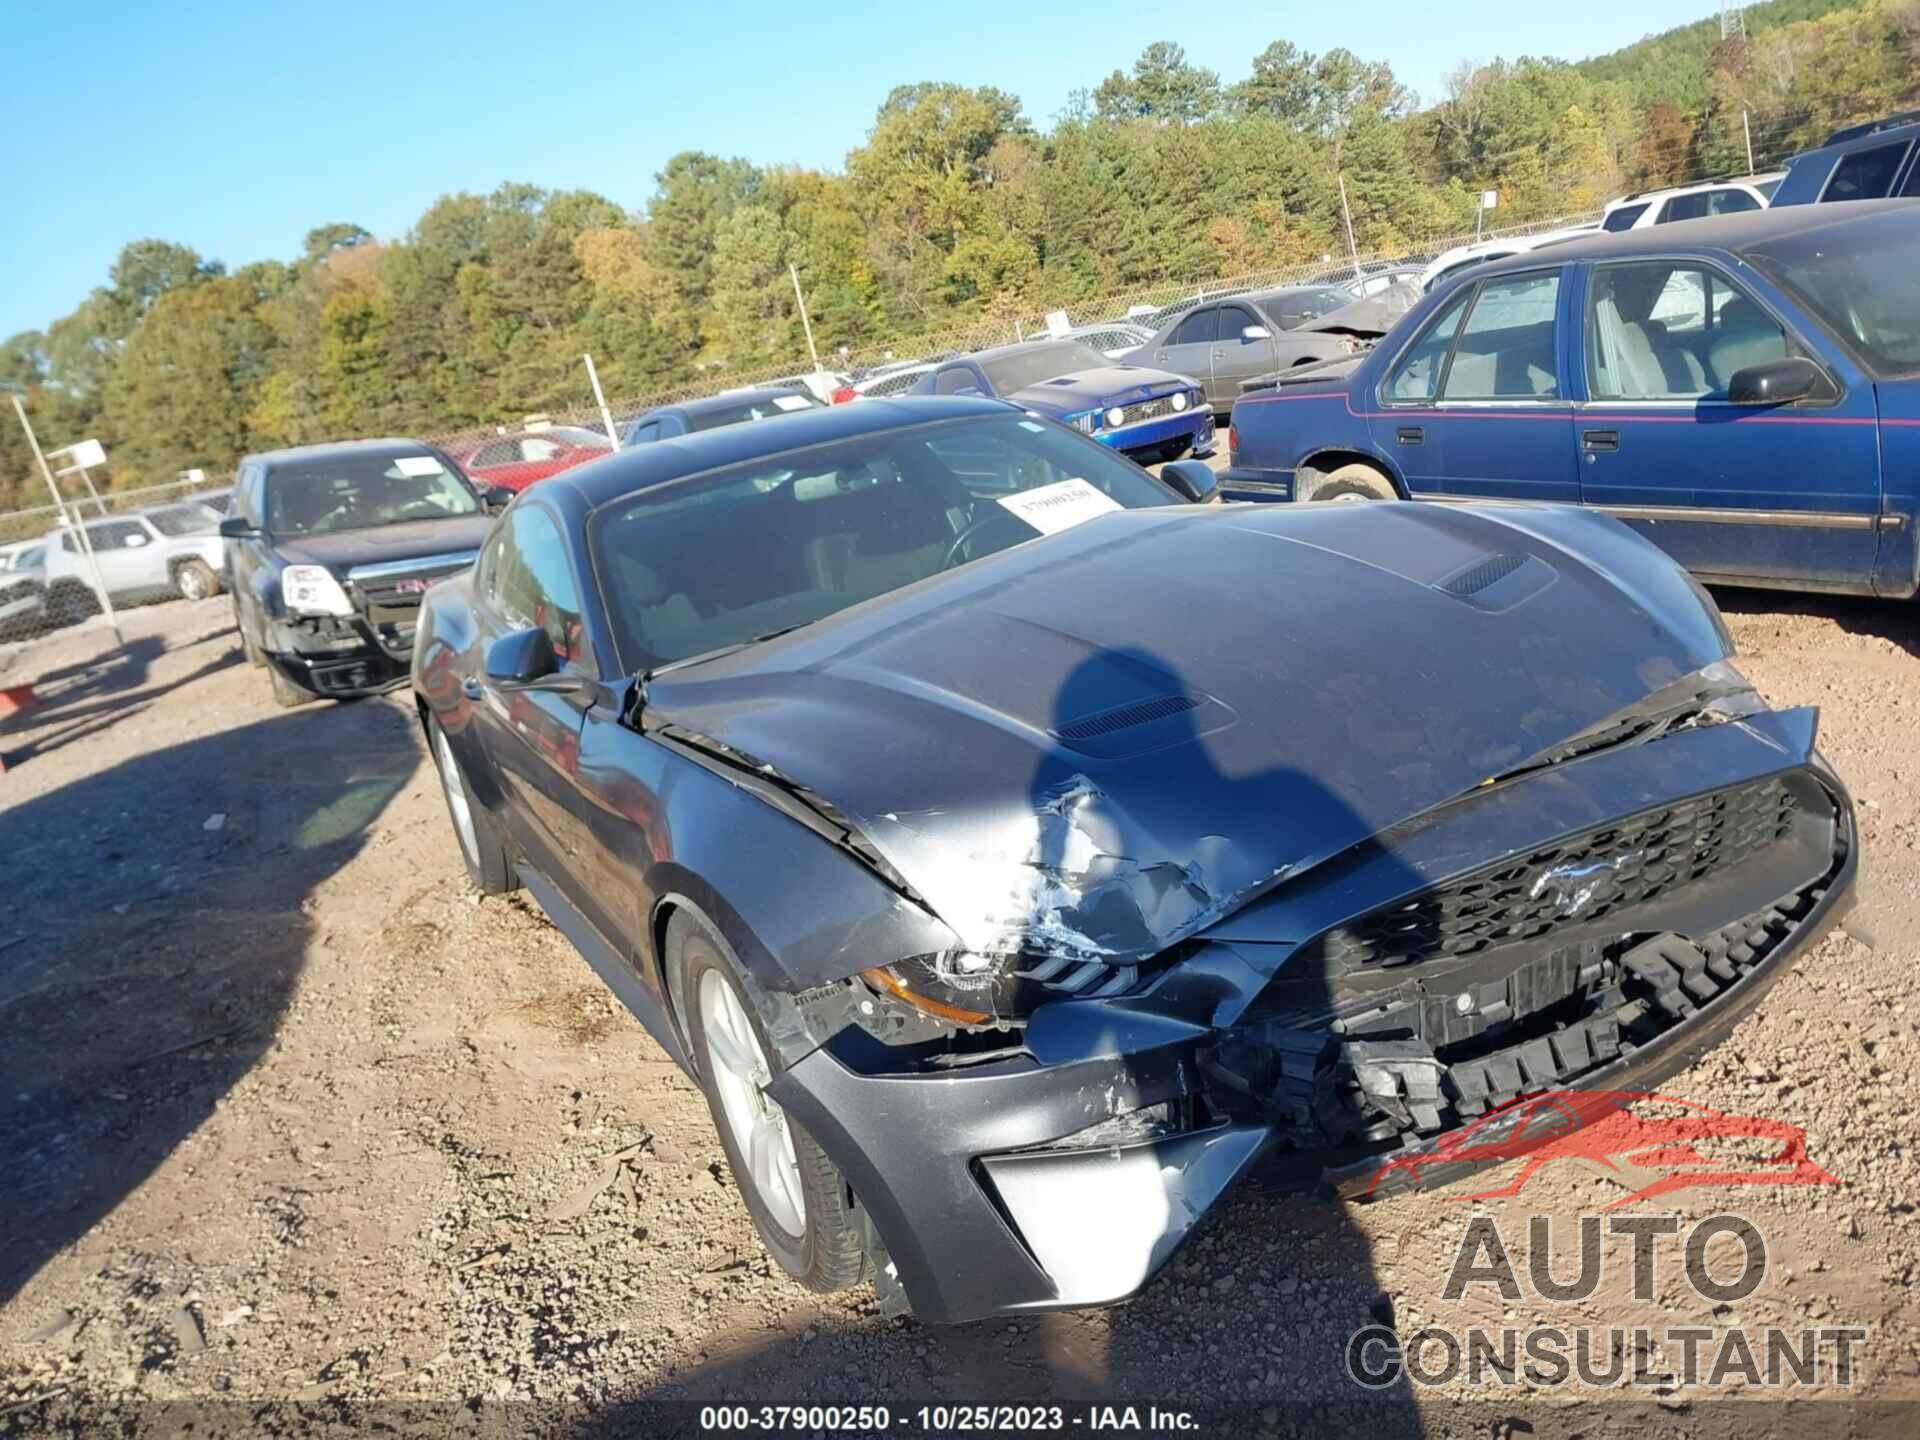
(312, 590)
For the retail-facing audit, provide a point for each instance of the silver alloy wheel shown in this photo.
(191, 586)
(760, 1131)
(457, 800)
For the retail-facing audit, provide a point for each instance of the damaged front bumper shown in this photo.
(341, 657)
(1597, 924)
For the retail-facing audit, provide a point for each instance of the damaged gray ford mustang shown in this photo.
(1016, 851)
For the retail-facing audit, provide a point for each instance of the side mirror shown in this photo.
(496, 498)
(1255, 332)
(521, 658)
(1192, 478)
(1779, 382)
(234, 527)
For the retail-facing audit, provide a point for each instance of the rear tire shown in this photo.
(488, 864)
(1350, 483)
(797, 1197)
(195, 580)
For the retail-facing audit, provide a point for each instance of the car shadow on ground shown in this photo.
(1895, 621)
(1249, 1326)
(158, 924)
(90, 697)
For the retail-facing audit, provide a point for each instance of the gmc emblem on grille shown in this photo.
(410, 587)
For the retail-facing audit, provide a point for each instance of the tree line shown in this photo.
(957, 207)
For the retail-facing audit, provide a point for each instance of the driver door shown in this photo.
(1188, 350)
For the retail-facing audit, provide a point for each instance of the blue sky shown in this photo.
(235, 128)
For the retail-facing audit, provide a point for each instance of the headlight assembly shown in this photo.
(312, 590)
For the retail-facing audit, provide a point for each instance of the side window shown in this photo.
(500, 452)
(1730, 202)
(68, 544)
(533, 581)
(538, 447)
(1623, 217)
(957, 381)
(1660, 331)
(1866, 174)
(1506, 349)
(1417, 376)
(1684, 207)
(117, 535)
(486, 574)
(644, 433)
(1234, 319)
(1202, 327)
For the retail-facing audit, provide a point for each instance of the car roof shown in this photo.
(340, 450)
(644, 466)
(727, 399)
(1717, 182)
(1017, 347)
(1734, 233)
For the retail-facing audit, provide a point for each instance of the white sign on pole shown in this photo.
(1058, 324)
(88, 454)
(195, 476)
(1489, 199)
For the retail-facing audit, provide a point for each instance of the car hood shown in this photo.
(1093, 389)
(1102, 741)
(341, 550)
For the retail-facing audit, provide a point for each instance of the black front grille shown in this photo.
(1147, 410)
(1606, 871)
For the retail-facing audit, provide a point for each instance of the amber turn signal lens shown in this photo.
(882, 978)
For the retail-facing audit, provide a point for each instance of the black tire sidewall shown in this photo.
(828, 1255)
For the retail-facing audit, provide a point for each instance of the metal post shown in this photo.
(600, 399)
(1352, 249)
(1747, 126)
(79, 529)
(801, 301)
(87, 480)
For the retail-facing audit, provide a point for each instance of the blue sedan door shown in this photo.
(1476, 407)
(1789, 494)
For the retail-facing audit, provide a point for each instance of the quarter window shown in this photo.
(1661, 331)
(533, 581)
(1866, 174)
(1506, 349)
(1684, 207)
(1623, 217)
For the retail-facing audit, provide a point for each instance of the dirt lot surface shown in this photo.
(294, 1121)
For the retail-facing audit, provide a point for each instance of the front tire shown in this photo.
(488, 864)
(799, 1202)
(1350, 483)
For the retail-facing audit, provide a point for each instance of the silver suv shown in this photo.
(152, 554)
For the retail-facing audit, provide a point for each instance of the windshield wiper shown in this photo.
(724, 650)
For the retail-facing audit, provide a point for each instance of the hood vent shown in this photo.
(1489, 571)
(1140, 712)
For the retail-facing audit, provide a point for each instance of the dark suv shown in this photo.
(1871, 161)
(329, 549)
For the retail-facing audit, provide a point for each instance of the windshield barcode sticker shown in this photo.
(1060, 506)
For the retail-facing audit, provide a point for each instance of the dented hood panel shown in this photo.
(1100, 742)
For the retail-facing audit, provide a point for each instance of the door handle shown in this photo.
(470, 687)
(1411, 435)
(1599, 439)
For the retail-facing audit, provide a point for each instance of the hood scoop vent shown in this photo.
(1126, 717)
(1499, 582)
(1143, 725)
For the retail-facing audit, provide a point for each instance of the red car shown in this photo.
(516, 461)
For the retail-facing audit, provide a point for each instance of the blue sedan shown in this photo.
(1146, 414)
(1743, 390)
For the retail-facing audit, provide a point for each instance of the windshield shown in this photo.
(357, 492)
(1018, 369)
(1289, 309)
(1860, 280)
(1767, 187)
(184, 519)
(752, 407)
(721, 558)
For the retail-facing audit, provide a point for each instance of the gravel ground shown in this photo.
(303, 1133)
